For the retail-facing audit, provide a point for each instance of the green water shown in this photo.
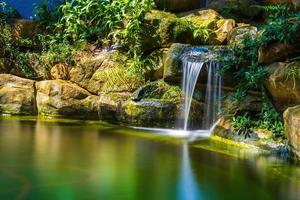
(76, 160)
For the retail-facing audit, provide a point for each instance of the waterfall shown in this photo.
(194, 62)
(191, 72)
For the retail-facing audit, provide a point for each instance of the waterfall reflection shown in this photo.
(188, 187)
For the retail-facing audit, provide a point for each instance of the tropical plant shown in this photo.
(243, 125)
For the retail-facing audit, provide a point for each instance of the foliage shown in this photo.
(281, 26)
(118, 21)
(270, 119)
(293, 74)
(202, 32)
(243, 125)
(8, 11)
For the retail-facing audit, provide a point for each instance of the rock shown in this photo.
(275, 52)
(172, 62)
(292, 128)
(160, 105)
(109, 108)
(296, 4)
(224, 27)
(58, 98)
(149, 113)
(283, 84)
(250, 103)
(60, 71)
(163, 29)
(17, 95)
(153, 90)
(91, 74)
(211, 20)
(24, 30)
(237, 34)
(156, 72)
(201, 15)
(177, 5)
(173, 65)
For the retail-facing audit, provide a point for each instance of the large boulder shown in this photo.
(57, 98)
(193, 27)
(163, 29)
(104, 73)
(17, 95)
(283, 84)
(292, 128)
(158, 104)
(149, 113)
(212, 21)
(276, 52)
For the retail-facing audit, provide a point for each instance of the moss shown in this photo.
(168, 29)
(174, 94)
(133, 110)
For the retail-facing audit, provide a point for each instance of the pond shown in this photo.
(89, 160)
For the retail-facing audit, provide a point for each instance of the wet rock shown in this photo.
(60, 71)
(173, 65)
(275, 52)
(57, 98)
(17, 95)
(292, 128)
(149, 113)
(283, 84)
(172, 62)
(109, 108)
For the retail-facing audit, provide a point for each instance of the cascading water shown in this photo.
(194, 61)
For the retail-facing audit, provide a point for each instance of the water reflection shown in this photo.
(188, 187)
(42, 160)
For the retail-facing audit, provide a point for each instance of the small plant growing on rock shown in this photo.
(243, 125)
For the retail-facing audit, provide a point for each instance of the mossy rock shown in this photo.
(17, 95)
(58, 98)
(163, 29)
(149, 113)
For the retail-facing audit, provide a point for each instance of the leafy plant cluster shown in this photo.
(117, 22)
(281, 27)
